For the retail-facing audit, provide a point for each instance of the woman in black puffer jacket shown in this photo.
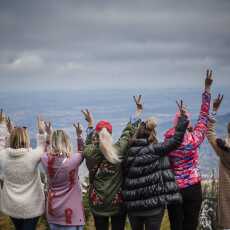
(149, 183)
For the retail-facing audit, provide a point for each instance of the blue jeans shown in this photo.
(65, 227)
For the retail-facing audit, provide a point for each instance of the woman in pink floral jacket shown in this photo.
(184, 162)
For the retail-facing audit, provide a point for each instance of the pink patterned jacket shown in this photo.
(185, 160)
(64, 205)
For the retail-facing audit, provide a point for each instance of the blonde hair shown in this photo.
(106, 146)
(19, 138)
(2, 118)
(151, 124)
(60, 143)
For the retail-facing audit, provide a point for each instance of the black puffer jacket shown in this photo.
(149, 182)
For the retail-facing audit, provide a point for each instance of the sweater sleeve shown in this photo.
(123, 141)
(2, 157)
(200, 129)
(4, 136)
(80, 149)
(211, 135)
(80, 144)
(174, 142)
(89, 133)
(78, 158)
(212, 138)
(40, 149)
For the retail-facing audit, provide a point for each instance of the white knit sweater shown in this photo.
(22, 195)
(4, 135)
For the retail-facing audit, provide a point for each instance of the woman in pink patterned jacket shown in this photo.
(184, 162)
(64, 207)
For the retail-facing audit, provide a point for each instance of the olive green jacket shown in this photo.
(105, 178)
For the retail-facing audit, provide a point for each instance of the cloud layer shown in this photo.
(113, 44)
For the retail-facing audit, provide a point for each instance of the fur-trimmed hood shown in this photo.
(18, 152)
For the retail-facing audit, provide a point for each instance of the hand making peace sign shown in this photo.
(208, 80)
(88, 117)
(79, 129)
(139, 105)
(182, 108)
(217, 102)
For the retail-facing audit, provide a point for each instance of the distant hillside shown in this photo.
(208, 159)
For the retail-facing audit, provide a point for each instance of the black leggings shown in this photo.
(25, 224)
(152, 222)
(185, 216)
(117, 222)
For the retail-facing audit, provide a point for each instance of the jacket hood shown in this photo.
(17, 152)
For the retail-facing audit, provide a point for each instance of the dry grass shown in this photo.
(5, 224)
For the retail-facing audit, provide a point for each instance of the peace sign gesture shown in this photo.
(139, 104)
(88, 117)
(208, 80)
(182, 108)
(217, 102)
(79, 129)
(48, 127)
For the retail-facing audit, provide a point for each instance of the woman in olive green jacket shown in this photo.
(104, 162)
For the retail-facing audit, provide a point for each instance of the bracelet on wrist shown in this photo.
(214, 113)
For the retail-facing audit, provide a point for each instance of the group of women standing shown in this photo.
(137, 176)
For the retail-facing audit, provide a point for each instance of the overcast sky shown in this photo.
(92, 44)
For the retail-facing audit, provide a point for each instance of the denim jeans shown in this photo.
(64, 227)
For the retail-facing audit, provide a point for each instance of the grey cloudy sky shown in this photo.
(73, 44)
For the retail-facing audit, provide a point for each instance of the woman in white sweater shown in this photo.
(22, 196)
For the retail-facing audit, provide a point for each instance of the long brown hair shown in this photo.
(146, 130)
(151, 124)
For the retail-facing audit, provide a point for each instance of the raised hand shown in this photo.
(48, 127)
(88, 117)
(208, 80)
(2, 116)
(9, 124)
(41, 125)
(79, 129)
(182, 108)
(139, 105)
(217, 102)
